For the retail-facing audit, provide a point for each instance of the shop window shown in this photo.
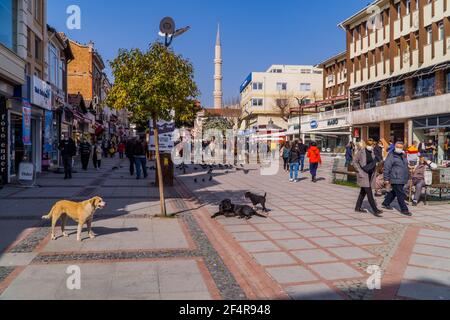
(448, 81)
(432, 122)
(397, 90)
(444, 121)
(420, 123)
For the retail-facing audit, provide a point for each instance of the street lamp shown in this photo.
(168, 30)
(301, 102)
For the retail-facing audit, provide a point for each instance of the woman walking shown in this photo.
(97, 156)
(349, 149)
(294, 162)
(365, 164)
(314, 160)
(285, 152)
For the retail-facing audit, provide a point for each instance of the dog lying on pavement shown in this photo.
(256, 199)
(229, 210)
(80, 212)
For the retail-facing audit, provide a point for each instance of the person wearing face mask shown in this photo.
(396, 172)
(418, 177)
(365, 164)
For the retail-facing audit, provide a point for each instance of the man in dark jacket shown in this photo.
(396, 172)
(303, 148)
(85, 153)
(294, 160)
(129, 152)
(68, 151)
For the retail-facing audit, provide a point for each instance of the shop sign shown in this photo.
(3, 142)
(333, 122)
(314, 124)
(26, 125)
(26, 171)
(41, 94)
(48, 134)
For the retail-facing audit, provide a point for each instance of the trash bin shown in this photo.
(167, 168)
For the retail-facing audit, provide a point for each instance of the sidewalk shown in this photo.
(134, 256)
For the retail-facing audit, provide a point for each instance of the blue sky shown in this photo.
(255, 33)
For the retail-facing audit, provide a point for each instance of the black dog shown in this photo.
(255, 199)
(228, 209)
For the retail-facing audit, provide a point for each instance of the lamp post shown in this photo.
(169, 32)
(301, 102)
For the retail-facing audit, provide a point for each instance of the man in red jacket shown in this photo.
(314, 160)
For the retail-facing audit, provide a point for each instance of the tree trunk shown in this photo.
(159, 167)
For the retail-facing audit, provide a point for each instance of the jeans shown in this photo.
(302, 162)
(293, 168)
(141, 165)
(67, 161)
(286, 164)
(362, 195)
(313, 167)
(132, 165)
(398, 191)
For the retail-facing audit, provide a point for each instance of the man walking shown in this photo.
(396, 172)
(294, 157)
(140, 158)
(68, 151)
(85, 153)
(129, 152)
(303, 149)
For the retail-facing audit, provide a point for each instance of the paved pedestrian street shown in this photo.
(312, 245)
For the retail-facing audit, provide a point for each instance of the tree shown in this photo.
(155, 84)
(284, 102)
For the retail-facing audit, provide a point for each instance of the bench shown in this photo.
(344, 173)
(443, 188)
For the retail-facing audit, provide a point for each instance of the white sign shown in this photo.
(166, 130)
(26, 171)
(41, 94)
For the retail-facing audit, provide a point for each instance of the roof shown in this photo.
(339, 56)
(360, 14)
(223, 112)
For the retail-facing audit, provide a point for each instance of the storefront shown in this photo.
(436, 129)
(330, 130)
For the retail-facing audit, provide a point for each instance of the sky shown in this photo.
(255, 33)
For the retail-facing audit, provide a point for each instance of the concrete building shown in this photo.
(327, 121)
(218, 78)
(398, 61)
(266, 97)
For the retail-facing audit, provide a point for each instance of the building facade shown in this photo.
(398, 62)
(266, 97)
(326, 121)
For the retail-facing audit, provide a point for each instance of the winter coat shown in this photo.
(98, 152)
(286, 153)
(85, 149)
(363, 178)
(294, 155)
(67, 148)
(303, 149)
(349, 153)
(396, 169)
(314, 155)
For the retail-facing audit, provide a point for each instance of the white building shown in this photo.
(266, 97)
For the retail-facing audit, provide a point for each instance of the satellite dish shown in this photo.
(167, 26)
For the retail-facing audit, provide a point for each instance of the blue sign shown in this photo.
(48, 145)
(314, 124)
(26, 124)
(247, 81)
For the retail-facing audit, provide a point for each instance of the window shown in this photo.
(425, 86)
(317, 71)
(399, 12)
(38, 10)
(305, 71)
(448, 82)
(305, 86)
(55, 66)
(258, 86)
(281, 86)
(441, 31)
(257, 102)
(429, 35)
(408, 7)
(7, 23)
(276, 71)
(37, 48)
(397, 90)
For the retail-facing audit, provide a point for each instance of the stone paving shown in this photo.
(314, 246)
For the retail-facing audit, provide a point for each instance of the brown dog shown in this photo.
(82, 213)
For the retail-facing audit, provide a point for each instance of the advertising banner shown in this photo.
(3, 142)
(48, 134)
(166, 130)
(26, 124)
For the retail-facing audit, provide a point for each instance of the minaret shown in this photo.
(218, 94)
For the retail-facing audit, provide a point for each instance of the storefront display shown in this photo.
(437, 130)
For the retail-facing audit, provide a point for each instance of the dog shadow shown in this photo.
(103, 231)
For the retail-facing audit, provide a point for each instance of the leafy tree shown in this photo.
(156, 84)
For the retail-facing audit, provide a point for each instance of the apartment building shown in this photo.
(266, 97)
(326, 121)
(398, 65)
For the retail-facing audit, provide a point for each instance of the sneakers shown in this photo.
(291, 180)
(407, 213)
(388, 207)
(358, 210)
(378, 213)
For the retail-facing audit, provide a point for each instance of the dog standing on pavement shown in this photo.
(256, 199)
(80, 212)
